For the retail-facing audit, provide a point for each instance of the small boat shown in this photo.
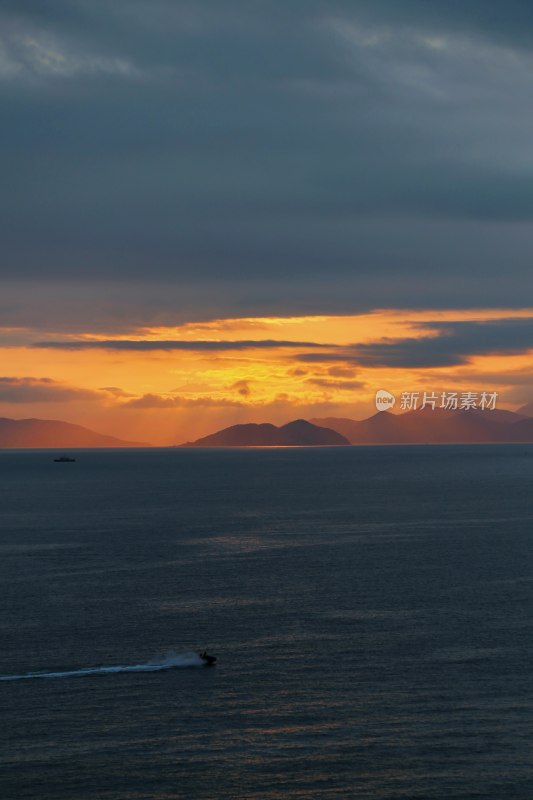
(208, 660)
(64, 459)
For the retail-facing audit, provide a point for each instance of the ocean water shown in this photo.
(371, 610)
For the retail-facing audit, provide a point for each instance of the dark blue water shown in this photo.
(371, 610)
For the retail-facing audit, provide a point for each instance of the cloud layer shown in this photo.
(317, 155)
(146, 345)
(42, 390)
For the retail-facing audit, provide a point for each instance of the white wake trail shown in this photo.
(172, 661)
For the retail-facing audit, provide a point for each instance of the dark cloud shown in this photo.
(318, 153)
(242, 388)
(455, 343)
(449, 344)
(341, 372)
(41, 390)
(343, 355)
(296, 372)
(325, 383)
(115, 391)
(146, 345)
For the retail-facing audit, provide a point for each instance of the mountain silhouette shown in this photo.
(527, 410)
(299, 433)
(439, 426)
(54, 433)
(523, 431)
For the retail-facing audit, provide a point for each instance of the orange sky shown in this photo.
(168, 396)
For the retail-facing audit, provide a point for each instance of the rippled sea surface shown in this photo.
(371, 610)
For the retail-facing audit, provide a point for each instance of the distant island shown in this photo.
(427, 426)
(423, 426)
(299, 433)
(25, 433)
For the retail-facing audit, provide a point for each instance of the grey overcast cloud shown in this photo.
(167, 161)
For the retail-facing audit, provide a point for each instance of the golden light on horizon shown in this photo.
(244, 370)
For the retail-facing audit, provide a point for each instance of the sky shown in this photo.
(221, 211)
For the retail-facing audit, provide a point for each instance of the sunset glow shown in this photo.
(166, 384)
